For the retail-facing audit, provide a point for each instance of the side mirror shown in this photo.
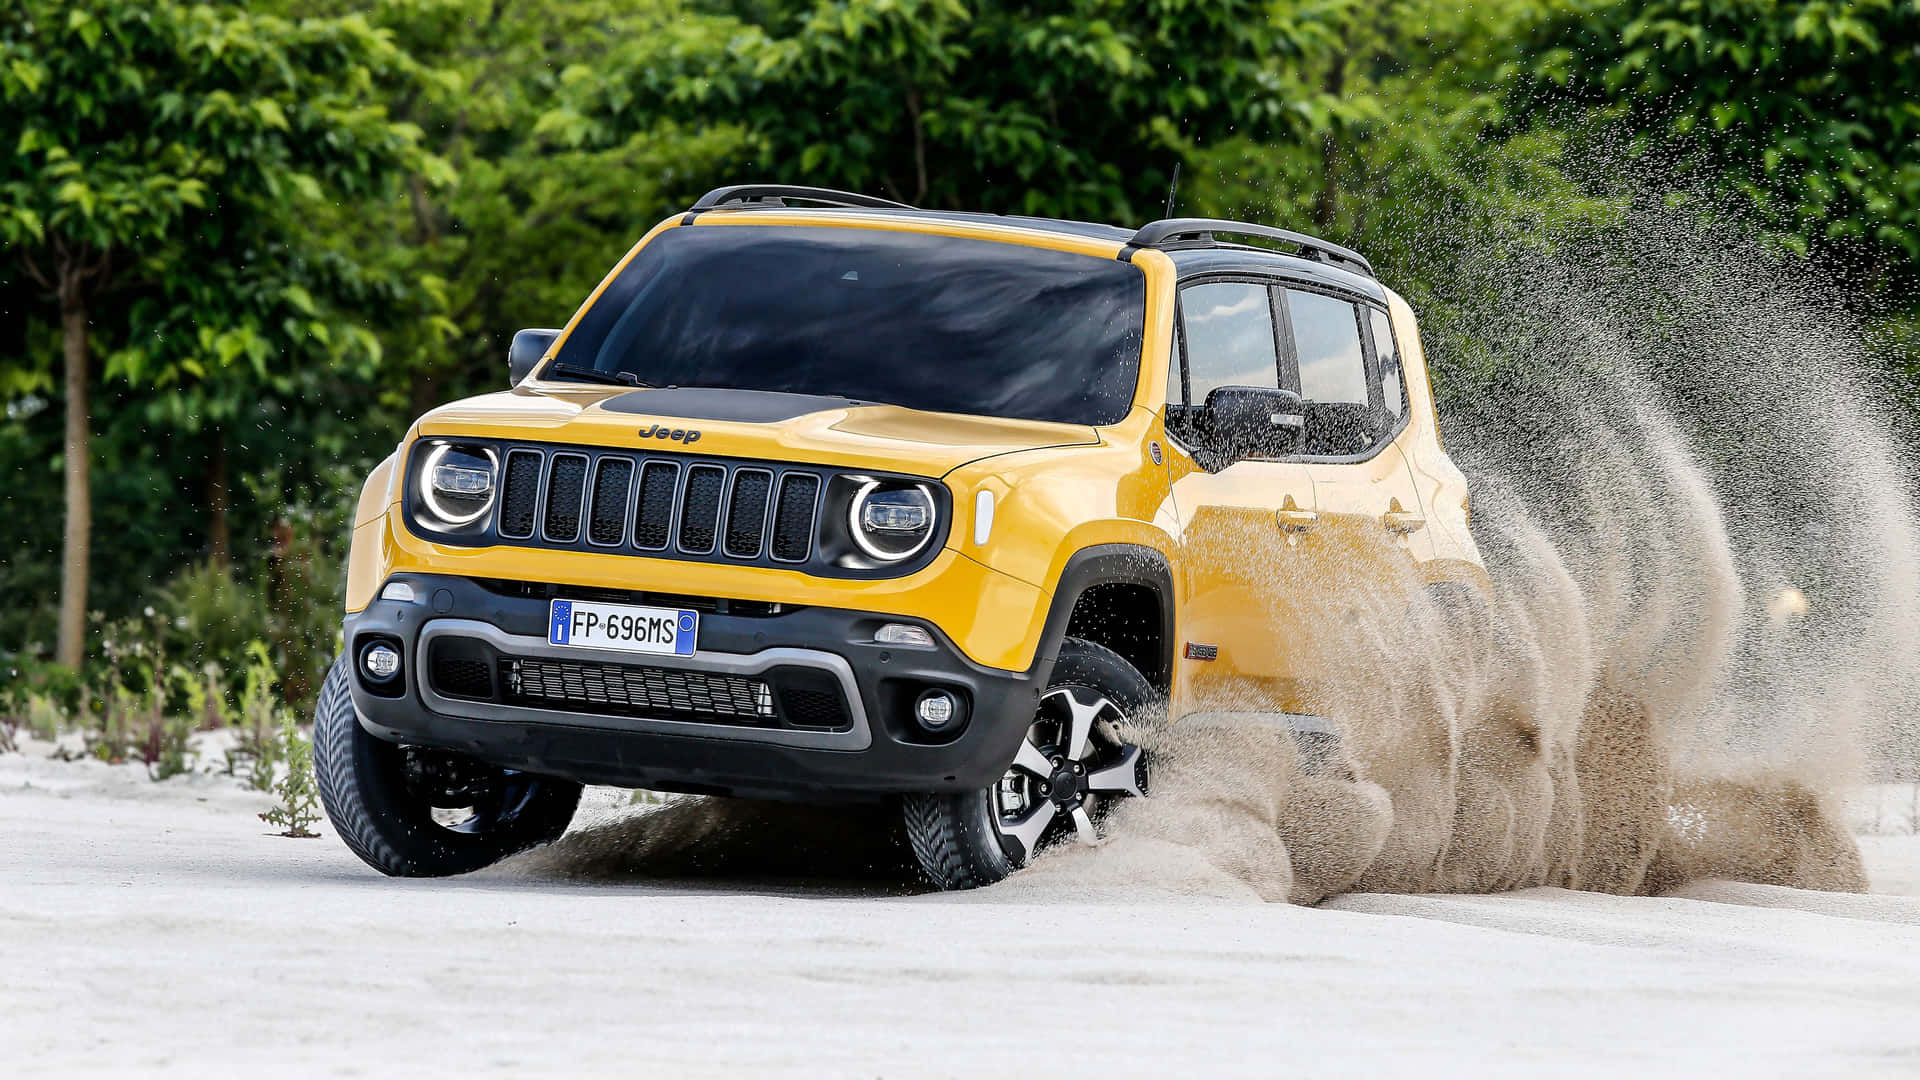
(1255, 421)
(525, 353)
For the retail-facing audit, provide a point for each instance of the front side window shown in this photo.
(1229, 331)
(870, 315)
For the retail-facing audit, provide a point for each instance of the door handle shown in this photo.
(1402, 522)
(1293, 519)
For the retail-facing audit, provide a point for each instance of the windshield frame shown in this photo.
(1145, 341)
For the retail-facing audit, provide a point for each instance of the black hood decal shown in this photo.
(742, 406)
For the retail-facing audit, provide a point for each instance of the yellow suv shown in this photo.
(822, 497)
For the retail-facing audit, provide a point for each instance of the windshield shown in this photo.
(871, 315)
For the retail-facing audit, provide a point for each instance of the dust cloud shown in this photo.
(1703, 626)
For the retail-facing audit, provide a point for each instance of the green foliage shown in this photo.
(211, 614)
(299, 799)
(174, 151)
(258, 718)
(941, 103)
(1809, 110)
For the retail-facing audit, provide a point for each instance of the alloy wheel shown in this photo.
(1068, 769)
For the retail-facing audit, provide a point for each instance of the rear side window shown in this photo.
(1326, 337)
(1393, 384)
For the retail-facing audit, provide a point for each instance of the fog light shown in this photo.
(936, 709)
(912, 637)
(397, 590)
(381, 662)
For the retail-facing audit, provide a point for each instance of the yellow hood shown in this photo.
(881, 437)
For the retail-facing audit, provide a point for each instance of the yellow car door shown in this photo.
(1245, 521)
(1372, 528)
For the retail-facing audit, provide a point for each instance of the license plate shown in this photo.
(622, 627)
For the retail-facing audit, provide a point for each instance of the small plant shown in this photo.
(299, 804)
(258, 720)
(168, 753)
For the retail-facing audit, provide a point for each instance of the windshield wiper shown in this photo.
(617, 378)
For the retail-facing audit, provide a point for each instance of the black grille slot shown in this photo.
(810, 698)
(520, 499)
(607, 516)
(653, 511)
(628, 690)
(700, 508)
(459, 676)
(813, 709)
(460, 667)
(566, 491)
(793, 517)
(747, 512)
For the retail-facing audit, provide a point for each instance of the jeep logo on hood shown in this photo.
(688, 436)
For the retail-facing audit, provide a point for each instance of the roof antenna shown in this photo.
(1173, 188)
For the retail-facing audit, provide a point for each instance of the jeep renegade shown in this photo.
(822, 497)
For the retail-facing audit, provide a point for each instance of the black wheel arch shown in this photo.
(1095, 574)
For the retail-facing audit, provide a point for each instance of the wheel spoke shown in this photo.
(1120, 778)
(1083, 826)
(1029, 759)
(1026, 831)
(1080, 720)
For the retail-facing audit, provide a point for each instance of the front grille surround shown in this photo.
(803, 720)
(485, 669)
(676, 506)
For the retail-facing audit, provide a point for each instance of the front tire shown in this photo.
(419, 813)
(1072, 763)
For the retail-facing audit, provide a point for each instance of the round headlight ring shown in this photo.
(434, 499)
(857, 528)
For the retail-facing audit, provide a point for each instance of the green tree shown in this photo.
(168, 156)
(1808, 110)
(530, 222)
(1071, 109)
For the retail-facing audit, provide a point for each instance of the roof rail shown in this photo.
(1199, 232)
(752, 194)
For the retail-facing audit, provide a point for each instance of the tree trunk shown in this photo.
(219, 535)
(72, 646)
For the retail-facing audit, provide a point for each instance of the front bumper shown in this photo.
(878, 749)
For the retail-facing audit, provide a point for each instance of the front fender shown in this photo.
(1049, 504)
(369, 554)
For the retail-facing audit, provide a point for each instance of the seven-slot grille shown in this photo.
(643, 505)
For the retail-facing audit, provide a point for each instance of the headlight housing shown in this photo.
(891, 520)
(458, 484)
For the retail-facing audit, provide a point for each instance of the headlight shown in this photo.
(891, 520)
(457, 483)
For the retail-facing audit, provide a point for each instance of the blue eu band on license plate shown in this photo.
(623, 627)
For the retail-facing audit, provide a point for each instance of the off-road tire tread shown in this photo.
(933, 831)
(334, 728)
(372, 836)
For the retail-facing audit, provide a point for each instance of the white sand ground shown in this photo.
(157, 929)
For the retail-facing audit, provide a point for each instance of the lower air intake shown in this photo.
(626, 690)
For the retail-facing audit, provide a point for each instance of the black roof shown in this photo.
(1191, 242)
